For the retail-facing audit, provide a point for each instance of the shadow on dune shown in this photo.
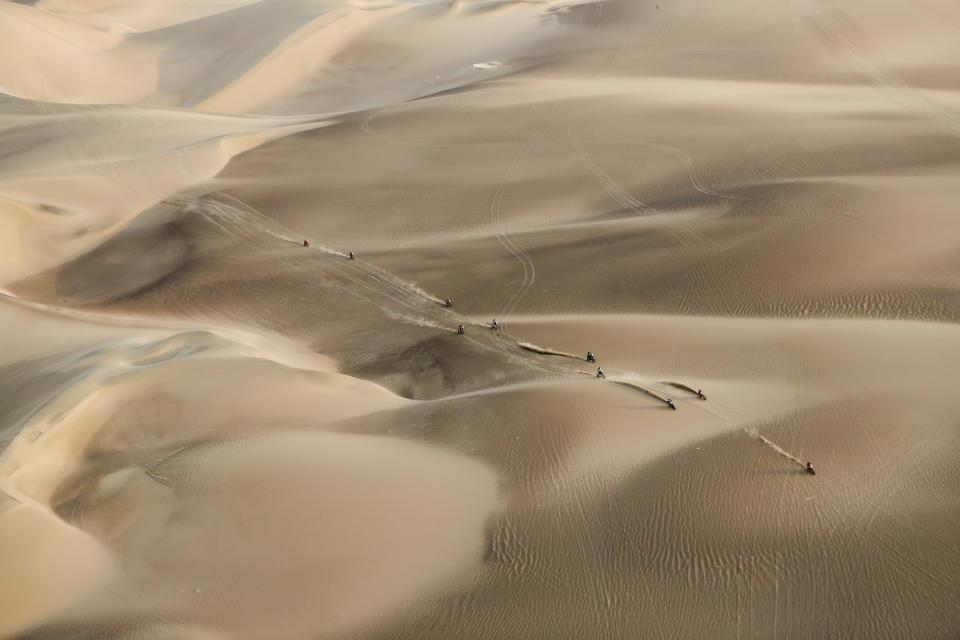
(127, 264)
(133, 627)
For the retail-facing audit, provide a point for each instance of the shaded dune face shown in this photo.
(234, 405)
(125, 265)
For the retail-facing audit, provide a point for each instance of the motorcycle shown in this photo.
(590, 357)
(671, 405)
(701, 395)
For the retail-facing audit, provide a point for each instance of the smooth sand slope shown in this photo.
(209, 430)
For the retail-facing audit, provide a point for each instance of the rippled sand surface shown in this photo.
(210, 430)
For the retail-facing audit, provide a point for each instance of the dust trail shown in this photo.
(547, 351)
(642, 389)
(236, 222)
(241, 217)
(397, 283)
(681, 385)
(249, 221)
(421, 322)
(775, 446)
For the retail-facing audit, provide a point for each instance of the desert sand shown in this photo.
(209, 430)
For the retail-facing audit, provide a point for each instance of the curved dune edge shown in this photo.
(55, 210)
(138, 16)
(54, 461)
(283, 71)
(112, 70)
(129, 53)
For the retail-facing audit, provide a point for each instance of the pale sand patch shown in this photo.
(139, 16)
(305, 540)
(47, 564)
(71, 62)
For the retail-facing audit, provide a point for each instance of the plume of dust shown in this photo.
(546, 350)
(397, 282)
(241, 219)
(642, 389)
(681, 385)
(421, 322)
(774, 446)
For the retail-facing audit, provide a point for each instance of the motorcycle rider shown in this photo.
(700, 394)
(670, 404)
(590, 357)
(809, 466)
(351, 256)
(460, 328)
(493, 325)
(600, 373)
(447, 303)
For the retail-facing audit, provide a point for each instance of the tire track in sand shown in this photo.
(839, 29)
(692, 241)
(500, 220)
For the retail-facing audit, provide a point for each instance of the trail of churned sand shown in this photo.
(233, 404)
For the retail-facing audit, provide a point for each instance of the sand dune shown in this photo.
(71, 177)
(274, 56)
(138, 16)
(70, 61)
(213, 430)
